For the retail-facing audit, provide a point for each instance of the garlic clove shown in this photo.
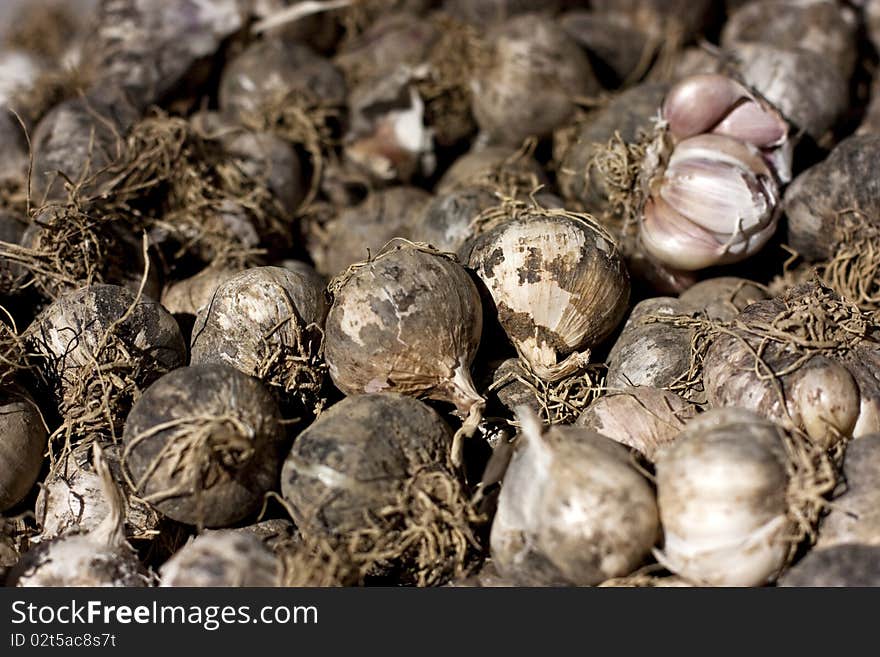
(754, 124)
(699, 102)
(672, 239)
(723, 149)
(827, 399)
(717, 196)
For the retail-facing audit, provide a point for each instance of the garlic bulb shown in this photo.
(847, 565)
(364, 229)
(716, 203)
(203, 445)
(148, 48)
(100, 557)
(643, 418)
(826, 27)
(408, 321)
(559, 284)
(573, 510)
(721, 489)
(820, 201)
(388, 137)
(72, 498)
(804, 86)
(717, 104)
(854, 513)
(222, 558)
(272, 69)
(189, 296)
(773, 361)
(529, 81)
(266, 322)
(23, 442)
(371, 477)
(653, 354)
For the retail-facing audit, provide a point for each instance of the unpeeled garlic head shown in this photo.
(722, 491)
(560, 286)
(716, 203)
(573, 510)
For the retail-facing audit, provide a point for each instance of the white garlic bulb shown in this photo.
(99, 557)
(722, 491)
(559, 284)
(716, 203)
(573, 510)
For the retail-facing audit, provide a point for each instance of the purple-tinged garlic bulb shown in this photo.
(559, 284)
(716, 203)
(803, 360)
(408, 321)
(719, 105)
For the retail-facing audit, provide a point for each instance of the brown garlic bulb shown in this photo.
(819, 204)
(267, 323)
(364, 229)
(559, 284)
(490, 163)
(222, 557)
(388, 137)
(652, 350)
(826, 27)
(271, 69)
(189, 296)
(528, 85)
(848, 565)
(408, 321)
(23, 442)
(394, 40)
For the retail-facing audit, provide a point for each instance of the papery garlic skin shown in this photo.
(722, 488)
(559, 284)
(643, 418)
(573, 510)
(716, 203)
(408, 321)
